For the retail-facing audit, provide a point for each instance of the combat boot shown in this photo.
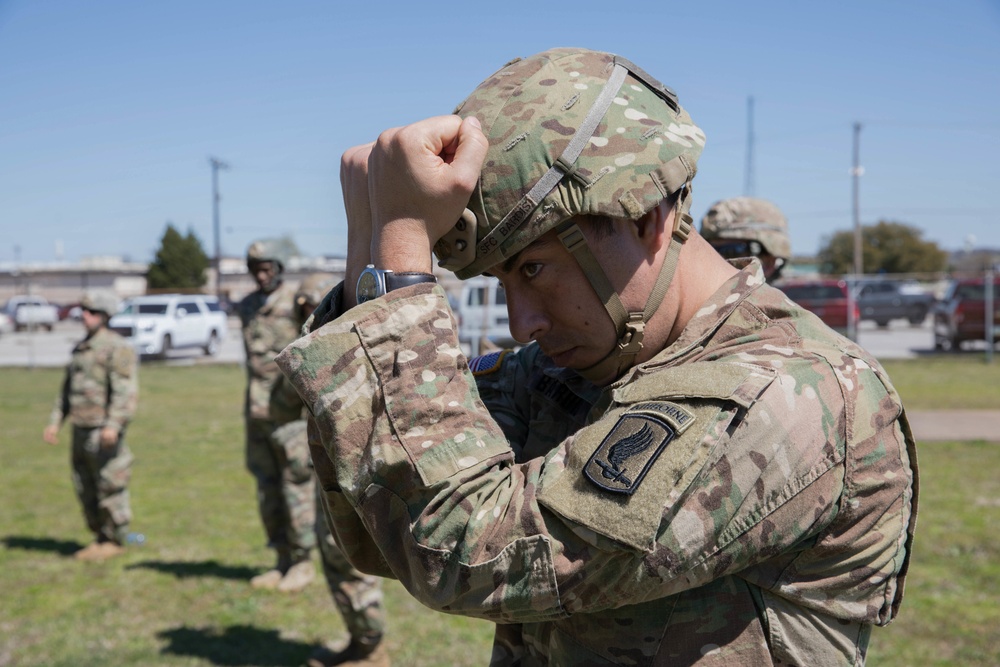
(98, 551)
(269, 580)
(357, 654)
(298, 577)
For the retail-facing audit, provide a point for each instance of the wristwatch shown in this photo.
(373, 282)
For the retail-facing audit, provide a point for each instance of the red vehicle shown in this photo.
(825, 298)
(961, 314)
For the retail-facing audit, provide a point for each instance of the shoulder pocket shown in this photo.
(624, 471)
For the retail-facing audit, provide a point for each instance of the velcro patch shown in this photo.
(487, 363)
(627, 453)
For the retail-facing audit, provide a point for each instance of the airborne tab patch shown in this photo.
(628, 452)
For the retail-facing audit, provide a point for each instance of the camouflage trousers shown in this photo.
(100, 477)
(358, 596)
(278, 458)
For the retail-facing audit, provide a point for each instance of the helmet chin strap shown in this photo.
(630, 325)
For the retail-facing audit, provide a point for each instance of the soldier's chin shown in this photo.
(567, 358)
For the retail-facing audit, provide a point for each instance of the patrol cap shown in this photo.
(748, 219)
(100, 301)
(571, 132)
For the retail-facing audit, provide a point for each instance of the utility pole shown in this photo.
(748, 178)
(217, 164)
(17, 269)
(856, 172)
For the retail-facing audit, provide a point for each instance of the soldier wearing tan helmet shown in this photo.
(283, 472)
(357, 596)
(679, 466)
(749, 227)
(99, 398)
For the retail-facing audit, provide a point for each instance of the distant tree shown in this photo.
(180, 262)
(886, 247)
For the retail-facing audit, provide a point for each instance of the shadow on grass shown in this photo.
(51, 544)
(205, 568)
(235, 645)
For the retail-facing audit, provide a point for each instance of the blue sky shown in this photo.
(109, 110)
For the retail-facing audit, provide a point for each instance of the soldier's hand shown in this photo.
(420, 178)
(51, 434)
(354, 185)
(109, 436)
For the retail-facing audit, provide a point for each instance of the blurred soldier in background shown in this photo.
(283, 472)
(357, 596)
(99, 397)
(749, 227)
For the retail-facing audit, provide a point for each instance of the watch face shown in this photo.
(368, 286)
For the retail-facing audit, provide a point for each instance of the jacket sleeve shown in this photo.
(123, 386)
(432, 479)
(60, 408)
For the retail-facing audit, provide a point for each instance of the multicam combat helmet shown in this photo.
(268, 250)
(100, 301)
(748, 219)
(575, 132)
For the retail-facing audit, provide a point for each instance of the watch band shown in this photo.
(395, 280)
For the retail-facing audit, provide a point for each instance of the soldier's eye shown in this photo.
(530, 269)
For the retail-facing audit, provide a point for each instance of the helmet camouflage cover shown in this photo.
(748, 219)
(100, 301)
(571, 132)
(267, 250)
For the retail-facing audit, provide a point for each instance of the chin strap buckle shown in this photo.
(630, 342)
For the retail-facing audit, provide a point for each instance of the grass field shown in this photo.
(182, 598)
(947, 382)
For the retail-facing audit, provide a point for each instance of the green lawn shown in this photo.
(947, 382)
(183, 598)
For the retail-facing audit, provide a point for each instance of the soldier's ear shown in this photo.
(654, 228)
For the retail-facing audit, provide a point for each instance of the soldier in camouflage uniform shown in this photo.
(749, 227)
(99, 397)
(274, 455)
(357, 596)
(681, 467)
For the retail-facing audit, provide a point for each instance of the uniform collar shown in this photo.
(707, 320)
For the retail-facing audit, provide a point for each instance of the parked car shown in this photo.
(6, 324)
(961, 314)
(156, 324)
(31, 311)
(826, 298)
(885, 300)
(70, 311)
(482, 314)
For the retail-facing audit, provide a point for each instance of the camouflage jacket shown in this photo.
(102, 383)
(746, 497)
(269, 324)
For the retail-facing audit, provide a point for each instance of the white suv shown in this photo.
(157, 324)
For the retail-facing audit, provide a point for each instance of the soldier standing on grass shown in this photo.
(283, 473)
(357, 596)
(99, 397)
(679, 467)
(749, 227)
